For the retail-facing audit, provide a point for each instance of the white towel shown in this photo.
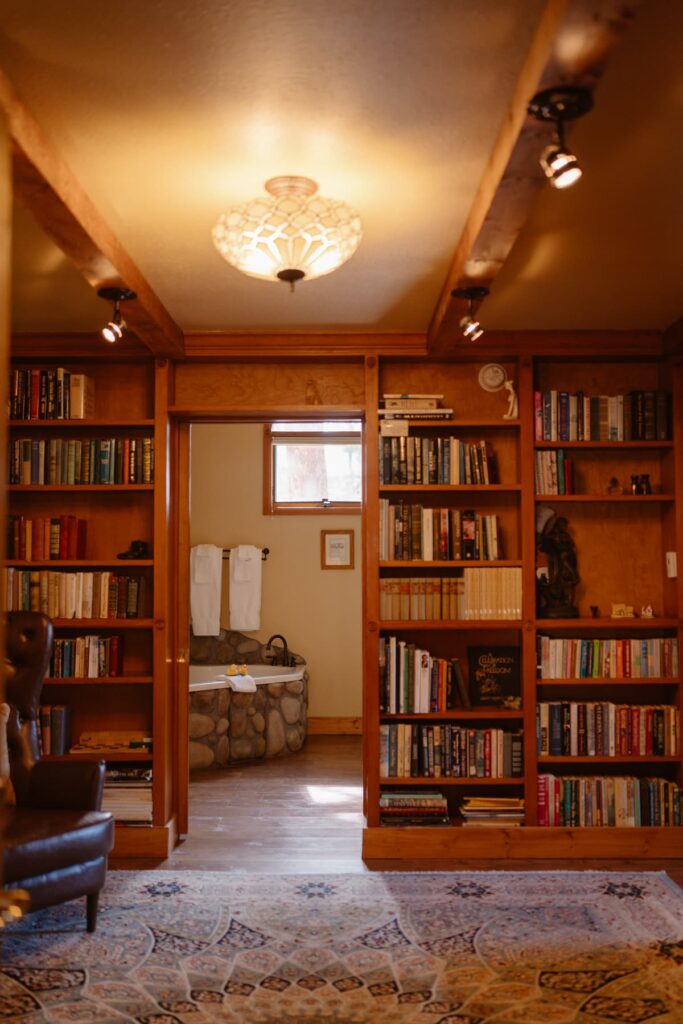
(206, 567)
(241, 684)
(245, 588)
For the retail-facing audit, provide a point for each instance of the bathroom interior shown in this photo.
(257, 693)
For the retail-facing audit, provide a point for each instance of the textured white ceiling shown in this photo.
(171, 111)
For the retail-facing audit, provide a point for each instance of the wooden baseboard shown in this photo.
(144, 841)
(335, 726)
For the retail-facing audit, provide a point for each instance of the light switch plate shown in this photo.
(671, 565)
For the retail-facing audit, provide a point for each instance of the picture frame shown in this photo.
(336, 549)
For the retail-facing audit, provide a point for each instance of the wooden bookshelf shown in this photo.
(620, 541)
(131, 401)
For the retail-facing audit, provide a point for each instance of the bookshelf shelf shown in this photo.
(104, 755)
(115, 624)
(78, 488)
(472, 714)
(61, 563)
(452, 624)
(605, 759)
(587, 445)
(449, 780)
(89, 424)
(415, 563)
(460, 424)
(98, 681)
(454, 488)
(602, 624)
(591, 681)
(634, 499)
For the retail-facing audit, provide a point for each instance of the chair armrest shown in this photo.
(68, 785)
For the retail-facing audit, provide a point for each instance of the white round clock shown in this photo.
(492, 377)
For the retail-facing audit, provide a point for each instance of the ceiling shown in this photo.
(171, 111)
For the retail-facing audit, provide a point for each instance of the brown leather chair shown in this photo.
(55, 841)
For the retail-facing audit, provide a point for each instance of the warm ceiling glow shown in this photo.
(294, 235)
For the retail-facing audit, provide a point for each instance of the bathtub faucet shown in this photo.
(281, 655)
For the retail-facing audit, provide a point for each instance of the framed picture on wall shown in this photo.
(336, 549)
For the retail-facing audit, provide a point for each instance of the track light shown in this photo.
(469, 325)
(557, 105)
(113, 331)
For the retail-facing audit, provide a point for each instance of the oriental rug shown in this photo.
(433, 948)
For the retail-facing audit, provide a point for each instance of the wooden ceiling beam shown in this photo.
(571, 45)
(45, 185)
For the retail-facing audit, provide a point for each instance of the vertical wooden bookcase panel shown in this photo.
(131, 401)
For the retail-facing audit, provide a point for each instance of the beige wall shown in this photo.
(318, 611)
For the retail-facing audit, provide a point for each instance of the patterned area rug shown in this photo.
(438, 948)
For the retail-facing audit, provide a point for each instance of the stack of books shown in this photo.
(502, 811)
(406, 807)
(128, 795)
(413, 406)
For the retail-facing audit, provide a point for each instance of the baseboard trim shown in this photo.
(335, 726)
(144, 841)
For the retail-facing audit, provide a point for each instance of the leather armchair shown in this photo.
(55, 841)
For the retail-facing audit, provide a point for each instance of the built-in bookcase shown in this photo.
(621, 541)
(132, 697)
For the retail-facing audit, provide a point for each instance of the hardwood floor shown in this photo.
(304, 814)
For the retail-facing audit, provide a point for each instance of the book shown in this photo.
(60, 729)
(494, 676)
(81, 396)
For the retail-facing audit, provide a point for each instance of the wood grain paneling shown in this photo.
(263, 385)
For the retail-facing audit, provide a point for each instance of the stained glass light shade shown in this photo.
(292, 235)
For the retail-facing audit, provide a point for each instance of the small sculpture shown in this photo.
(613, 486)
(622, 611)
(556, 588)
(646, 611)
(513, 404)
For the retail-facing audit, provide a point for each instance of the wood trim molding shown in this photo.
(220, 344)
(46, 186)
(335, 726)
(572, 44)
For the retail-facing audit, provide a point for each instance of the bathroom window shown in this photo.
(313, 467)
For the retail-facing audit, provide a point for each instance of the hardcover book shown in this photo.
(494, 677)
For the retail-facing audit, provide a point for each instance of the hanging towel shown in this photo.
(206, 567)
(245, 588)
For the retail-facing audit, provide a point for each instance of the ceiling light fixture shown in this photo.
(557, 105)
(470, 327)
(294, 235)
(113, 331)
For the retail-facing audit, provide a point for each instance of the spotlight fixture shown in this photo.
(470, 327)
(557, 105)
(113, 331)
(294, 235)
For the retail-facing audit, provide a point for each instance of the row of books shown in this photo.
(55, 728)
(553, 472)
(416, 533)
(500, 811)
(86, 657)
(411, 680)
(605, 729)
(413, 406)
(416, 750)
(75, 595)
(114, 460)
(474, 594)
(128, 795)
(635, 416)
(54, 394)
(406, 807)
(594, 658)
(608, 801)
(435, 460)
(56, 537)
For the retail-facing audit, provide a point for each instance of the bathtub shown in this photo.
(212, 677)
(228, 726)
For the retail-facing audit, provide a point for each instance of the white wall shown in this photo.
(318, 611)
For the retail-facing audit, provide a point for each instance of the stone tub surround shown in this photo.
(228, 727)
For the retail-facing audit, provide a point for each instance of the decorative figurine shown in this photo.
(557, 586)
(513, 404)
(622, 611)
(646, 611)
(645, 487)
(635, 483)
(613, 486)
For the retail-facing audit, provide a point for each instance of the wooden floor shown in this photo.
(304, 814)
